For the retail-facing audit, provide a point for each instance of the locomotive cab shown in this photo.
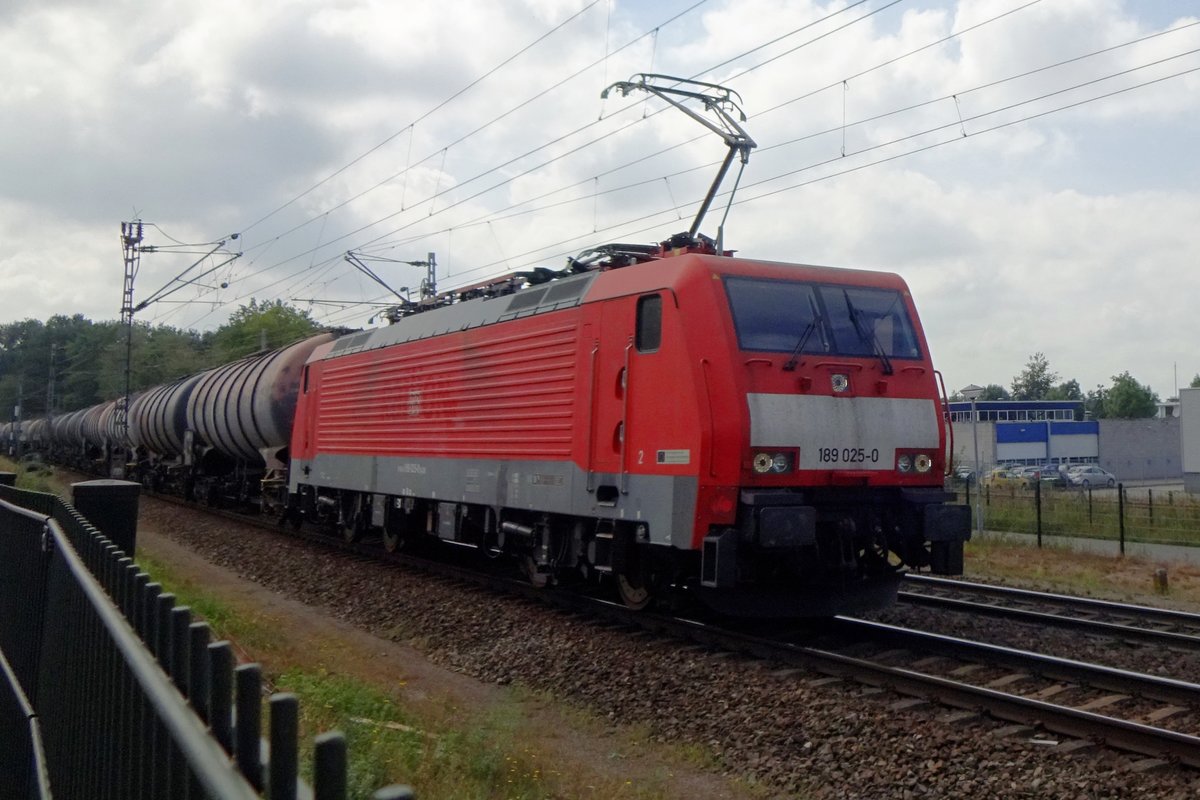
(842, 440)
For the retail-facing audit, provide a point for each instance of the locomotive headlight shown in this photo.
(904, 463)
(766, 463)
(840, 382)
(923, 463)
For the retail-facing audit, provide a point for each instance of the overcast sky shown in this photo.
(1031, 204)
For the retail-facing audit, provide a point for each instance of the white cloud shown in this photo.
(208, 117)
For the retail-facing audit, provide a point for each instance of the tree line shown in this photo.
(1124, 398)
(75, 362)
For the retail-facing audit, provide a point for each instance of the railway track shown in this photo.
(1059, 703)
(1131, 623)
(1045, 695)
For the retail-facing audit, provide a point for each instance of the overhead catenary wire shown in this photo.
(505, 62)
(622, 229)
(647, 181)
(460, 226)
(474, 132)
(653, 31)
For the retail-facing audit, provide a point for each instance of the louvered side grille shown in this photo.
(510, 397)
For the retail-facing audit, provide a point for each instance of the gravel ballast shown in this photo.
(792, 732)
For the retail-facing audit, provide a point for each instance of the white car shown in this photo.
(1090, 475)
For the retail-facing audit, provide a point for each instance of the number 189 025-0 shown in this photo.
(847, 455)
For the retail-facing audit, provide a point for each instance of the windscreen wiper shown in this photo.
(815, 324)
(867, 337)
(790, 364)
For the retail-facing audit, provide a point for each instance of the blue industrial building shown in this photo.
(1015, 432)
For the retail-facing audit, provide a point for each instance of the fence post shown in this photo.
(1089, 491)
(198, 672)
(248, 731)
(1037, 500)
(329, 767)
(1121, 514)
(220, 698)
(1150, 504)
(181, 655)
(112, 507)
(285, 761)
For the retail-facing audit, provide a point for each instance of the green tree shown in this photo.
(24, 365)
(1093, 403)
(1196, 381)
(257, 325)
(163, 354)
(1035, 381)
(1128, 399)
(994, 391)
(1067, 390)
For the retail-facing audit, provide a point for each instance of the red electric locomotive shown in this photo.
(767, 436)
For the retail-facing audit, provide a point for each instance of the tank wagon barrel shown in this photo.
(36, 430)
(91, 423)
(244, 410)
(158, 417)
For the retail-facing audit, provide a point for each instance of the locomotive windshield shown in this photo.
(794, 317)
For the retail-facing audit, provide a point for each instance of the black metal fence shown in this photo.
(110, 690)
(1123, 514)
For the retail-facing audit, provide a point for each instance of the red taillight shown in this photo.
(722, 503)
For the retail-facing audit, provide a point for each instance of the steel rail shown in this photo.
(1112, 679)
(1149, 613)
(1083, 624)
(1117, 733)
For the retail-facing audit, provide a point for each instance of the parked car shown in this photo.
(1051, 475)
(964, 474)
(1089, 475)
(1025, 475)
(1002, 476)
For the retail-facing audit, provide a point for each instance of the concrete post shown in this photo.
(112, 507)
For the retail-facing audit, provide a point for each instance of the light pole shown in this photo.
(972, 393)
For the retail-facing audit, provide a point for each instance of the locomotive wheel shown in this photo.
(392, 540)
(635, 593)
(353, 528)
(530, 568)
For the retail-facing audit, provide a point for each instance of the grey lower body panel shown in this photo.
(666, 504)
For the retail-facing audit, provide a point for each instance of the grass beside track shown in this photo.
(445, 752)
(1057, 568)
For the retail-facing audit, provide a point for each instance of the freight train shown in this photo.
(665, 420)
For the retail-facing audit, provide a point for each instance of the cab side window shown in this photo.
(649, 323)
